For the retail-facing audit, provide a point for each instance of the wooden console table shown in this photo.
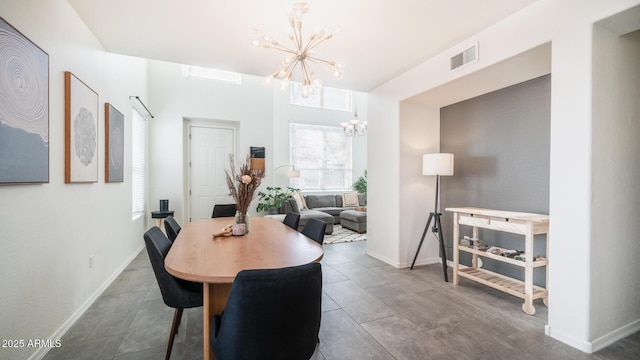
(526, 224)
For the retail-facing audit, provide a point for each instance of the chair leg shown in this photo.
(177, 316)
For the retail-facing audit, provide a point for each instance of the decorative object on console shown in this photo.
(301, 54)
(437, 164)
(164, 205)
(24, 109)
(355, 126)
(114, 144)
(81, 131)
(243, 181)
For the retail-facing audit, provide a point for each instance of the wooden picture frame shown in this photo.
(113, 144)
(24, 109)
(81, 131)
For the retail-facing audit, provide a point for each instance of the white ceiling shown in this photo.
(380, 39)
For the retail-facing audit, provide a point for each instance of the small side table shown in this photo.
(159, 215)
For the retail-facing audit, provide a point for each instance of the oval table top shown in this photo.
(197, 256)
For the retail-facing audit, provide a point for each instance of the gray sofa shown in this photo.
(325, 207)
(331, 204)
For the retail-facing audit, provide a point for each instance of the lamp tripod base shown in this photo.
(437, 230)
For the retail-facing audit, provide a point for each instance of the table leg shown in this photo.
(456, 239)
(214, 301)
(527, 307)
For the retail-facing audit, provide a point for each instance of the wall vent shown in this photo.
(467, 56)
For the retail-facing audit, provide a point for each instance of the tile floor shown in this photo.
(370, 311)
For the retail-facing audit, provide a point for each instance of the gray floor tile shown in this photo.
(406, 341)
(359, 304)
(370, 311)
(342, 338)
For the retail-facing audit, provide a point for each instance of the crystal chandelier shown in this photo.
(355, 126)
(301, 53)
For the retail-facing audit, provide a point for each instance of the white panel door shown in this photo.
(210, 148)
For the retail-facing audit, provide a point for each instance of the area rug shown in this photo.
(341, 235)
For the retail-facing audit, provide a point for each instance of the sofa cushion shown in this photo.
(291, 206)
(297, 196)
(334, 211)
(350, 199)
(320, 201)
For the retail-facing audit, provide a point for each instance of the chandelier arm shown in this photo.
(315, 42)
(305, 73)
(315, 59)
(282, 48)
(291, 68)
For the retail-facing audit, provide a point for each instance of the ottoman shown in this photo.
(354, 220)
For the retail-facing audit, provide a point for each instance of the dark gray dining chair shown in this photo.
(171, 227)
(176, 293)
(270, 314)
(224, 210)
(292, 219)
(314, 229)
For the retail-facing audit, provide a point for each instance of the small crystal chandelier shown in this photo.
(355, 126)
(301, 54)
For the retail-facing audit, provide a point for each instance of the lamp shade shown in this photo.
(437, 164)
(293, 174)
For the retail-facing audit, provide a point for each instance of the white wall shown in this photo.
(173, 99)
(616, 190)
(262, 113)
(568, 26)
(49, 231)
(419, 134)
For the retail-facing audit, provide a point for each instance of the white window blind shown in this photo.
(137, 166)
(323, 156)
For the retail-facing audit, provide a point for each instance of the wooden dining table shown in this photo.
(197, 256)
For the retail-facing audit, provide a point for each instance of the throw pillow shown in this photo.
(350, 199)
(297, 196)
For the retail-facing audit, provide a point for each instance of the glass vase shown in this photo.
(243, 218)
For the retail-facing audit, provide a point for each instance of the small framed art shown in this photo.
(81, 131)
(114, 144)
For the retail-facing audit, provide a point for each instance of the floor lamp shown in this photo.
(291, 174)
(438, 164)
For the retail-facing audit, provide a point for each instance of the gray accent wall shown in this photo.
(501, 143)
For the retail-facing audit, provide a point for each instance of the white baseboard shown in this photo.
(600, 343)
(583, 346)
(382, 258)
(62, 330)
(615, 335)
(402, 265)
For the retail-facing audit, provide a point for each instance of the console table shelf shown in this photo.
(526, 224)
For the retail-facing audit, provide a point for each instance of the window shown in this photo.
(323, 156)
(213, 74)
(323, 98)
(137, 166)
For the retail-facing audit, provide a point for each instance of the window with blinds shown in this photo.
(323, 155)
(138, 147)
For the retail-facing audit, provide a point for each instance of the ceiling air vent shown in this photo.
(468, 56)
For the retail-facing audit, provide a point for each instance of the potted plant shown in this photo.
(273, 199)
(361, 184)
